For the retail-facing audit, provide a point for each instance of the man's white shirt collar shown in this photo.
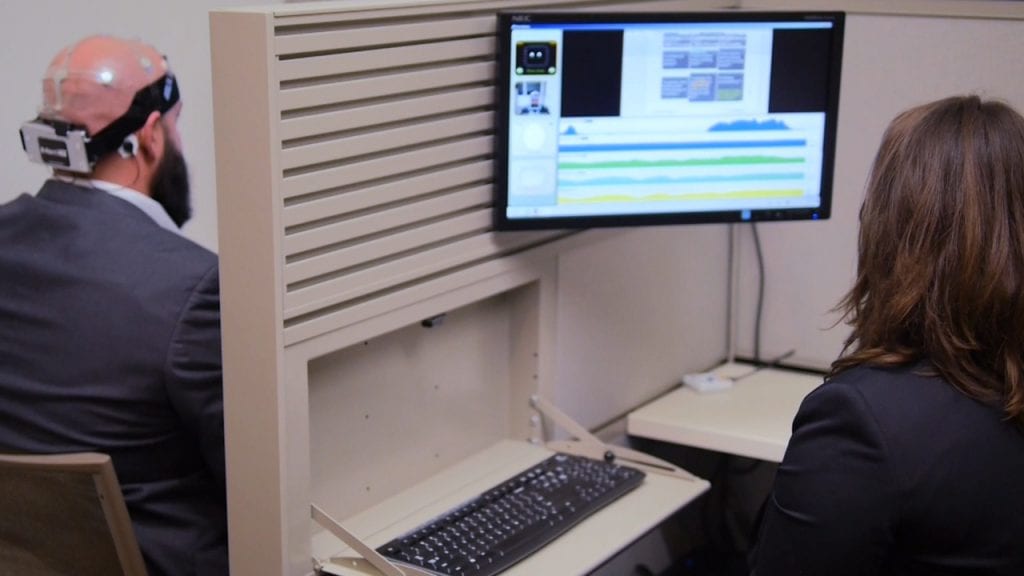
(149, 207)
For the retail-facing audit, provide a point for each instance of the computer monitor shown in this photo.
(624, 119)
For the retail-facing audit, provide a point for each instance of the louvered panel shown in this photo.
(403, 56)
(385, 149)
(363, 116)
(385, 84)
(382, 34)
(358, 10)
(478, 278)
(356, 284)
(404, 215)
(386, 139)
(387, 192)
(392, 165)
(386, 245)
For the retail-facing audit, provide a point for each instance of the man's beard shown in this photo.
(170, 185)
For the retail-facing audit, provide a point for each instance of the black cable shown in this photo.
(760, 295)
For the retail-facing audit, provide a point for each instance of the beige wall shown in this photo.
(890, 63)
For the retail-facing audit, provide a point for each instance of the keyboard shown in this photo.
(507, 523)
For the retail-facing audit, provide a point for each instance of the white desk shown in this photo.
(753, 418)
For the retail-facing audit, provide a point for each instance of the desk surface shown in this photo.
(753, 418)
(579, 551)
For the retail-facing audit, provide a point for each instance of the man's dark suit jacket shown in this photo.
(891, 472)
(110, 342)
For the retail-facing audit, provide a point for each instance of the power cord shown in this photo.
(760, 294)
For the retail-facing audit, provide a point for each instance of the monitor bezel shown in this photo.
(505, 22)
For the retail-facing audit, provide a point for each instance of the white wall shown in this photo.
(32, 31)
(890, 63)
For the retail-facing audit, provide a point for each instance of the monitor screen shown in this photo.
(640, 118)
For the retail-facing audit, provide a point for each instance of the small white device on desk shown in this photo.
(735, 408)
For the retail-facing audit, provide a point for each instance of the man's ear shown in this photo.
(151, 138)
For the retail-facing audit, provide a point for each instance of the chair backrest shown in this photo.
(62, 515)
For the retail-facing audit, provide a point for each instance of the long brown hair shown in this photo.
(940, 271)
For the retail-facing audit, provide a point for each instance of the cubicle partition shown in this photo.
(354, 156)
(378, 333)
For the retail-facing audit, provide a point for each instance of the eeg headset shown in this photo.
(70, 147)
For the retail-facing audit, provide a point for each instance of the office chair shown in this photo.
(64, 515)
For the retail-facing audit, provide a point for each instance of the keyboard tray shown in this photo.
(510, 521)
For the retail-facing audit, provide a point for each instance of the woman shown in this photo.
(909, 460)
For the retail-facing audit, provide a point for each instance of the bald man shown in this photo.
(110, 318)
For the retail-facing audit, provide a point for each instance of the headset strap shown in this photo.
(159, 96)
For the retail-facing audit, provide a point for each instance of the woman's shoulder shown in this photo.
(911, 399)
(887, 384)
